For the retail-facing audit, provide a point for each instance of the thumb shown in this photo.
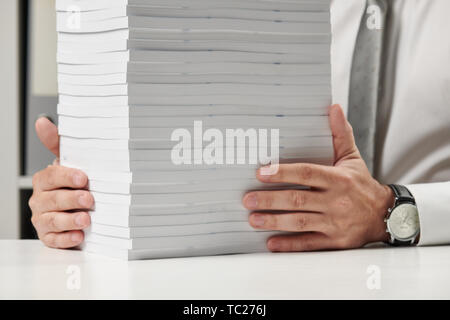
(343, 139)
(48, 134)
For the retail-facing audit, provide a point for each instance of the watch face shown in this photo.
(403, 222)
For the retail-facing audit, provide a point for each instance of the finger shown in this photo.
(310, 241)
(343, 139)
(48, 134)
(63, 240)
(288, 200)
(62, 221)
(57, 177)
(307, 174)
(63, 200)
(292, 222)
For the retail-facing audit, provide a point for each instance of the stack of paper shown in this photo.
(169, 106)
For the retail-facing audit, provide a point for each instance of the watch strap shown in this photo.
(399, 243)
(402, 194)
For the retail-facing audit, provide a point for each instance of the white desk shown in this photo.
(28, 270)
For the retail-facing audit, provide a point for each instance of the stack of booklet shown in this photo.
(170, 106)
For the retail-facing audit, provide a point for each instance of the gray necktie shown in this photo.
(365, 78)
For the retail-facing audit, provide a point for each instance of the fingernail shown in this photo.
(274, 245)
(84, 201)
(79, 220)
(76, 237)
(251, 202)
(263, 173)
(78, 179)
(258, 220)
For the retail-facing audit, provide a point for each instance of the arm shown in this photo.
(433, 202)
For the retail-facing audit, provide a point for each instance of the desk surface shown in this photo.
(28, 270)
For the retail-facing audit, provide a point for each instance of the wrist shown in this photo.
(386, 201)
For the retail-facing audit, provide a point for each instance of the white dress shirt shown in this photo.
(413, 133)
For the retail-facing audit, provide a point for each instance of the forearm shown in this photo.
(433, 202)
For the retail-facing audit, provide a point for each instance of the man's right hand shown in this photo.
(60, 201)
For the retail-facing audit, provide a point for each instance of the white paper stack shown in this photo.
(133, 73)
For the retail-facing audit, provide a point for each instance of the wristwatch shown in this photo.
(402, 219)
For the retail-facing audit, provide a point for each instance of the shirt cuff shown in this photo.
(433, 203)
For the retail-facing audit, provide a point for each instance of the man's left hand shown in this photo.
(343, 209)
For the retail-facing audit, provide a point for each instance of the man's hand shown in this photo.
(344, 208)
(60, 201)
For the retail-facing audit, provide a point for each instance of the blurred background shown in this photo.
(28, 87)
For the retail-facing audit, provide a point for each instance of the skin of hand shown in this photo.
(343, 208)
(60, 201)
